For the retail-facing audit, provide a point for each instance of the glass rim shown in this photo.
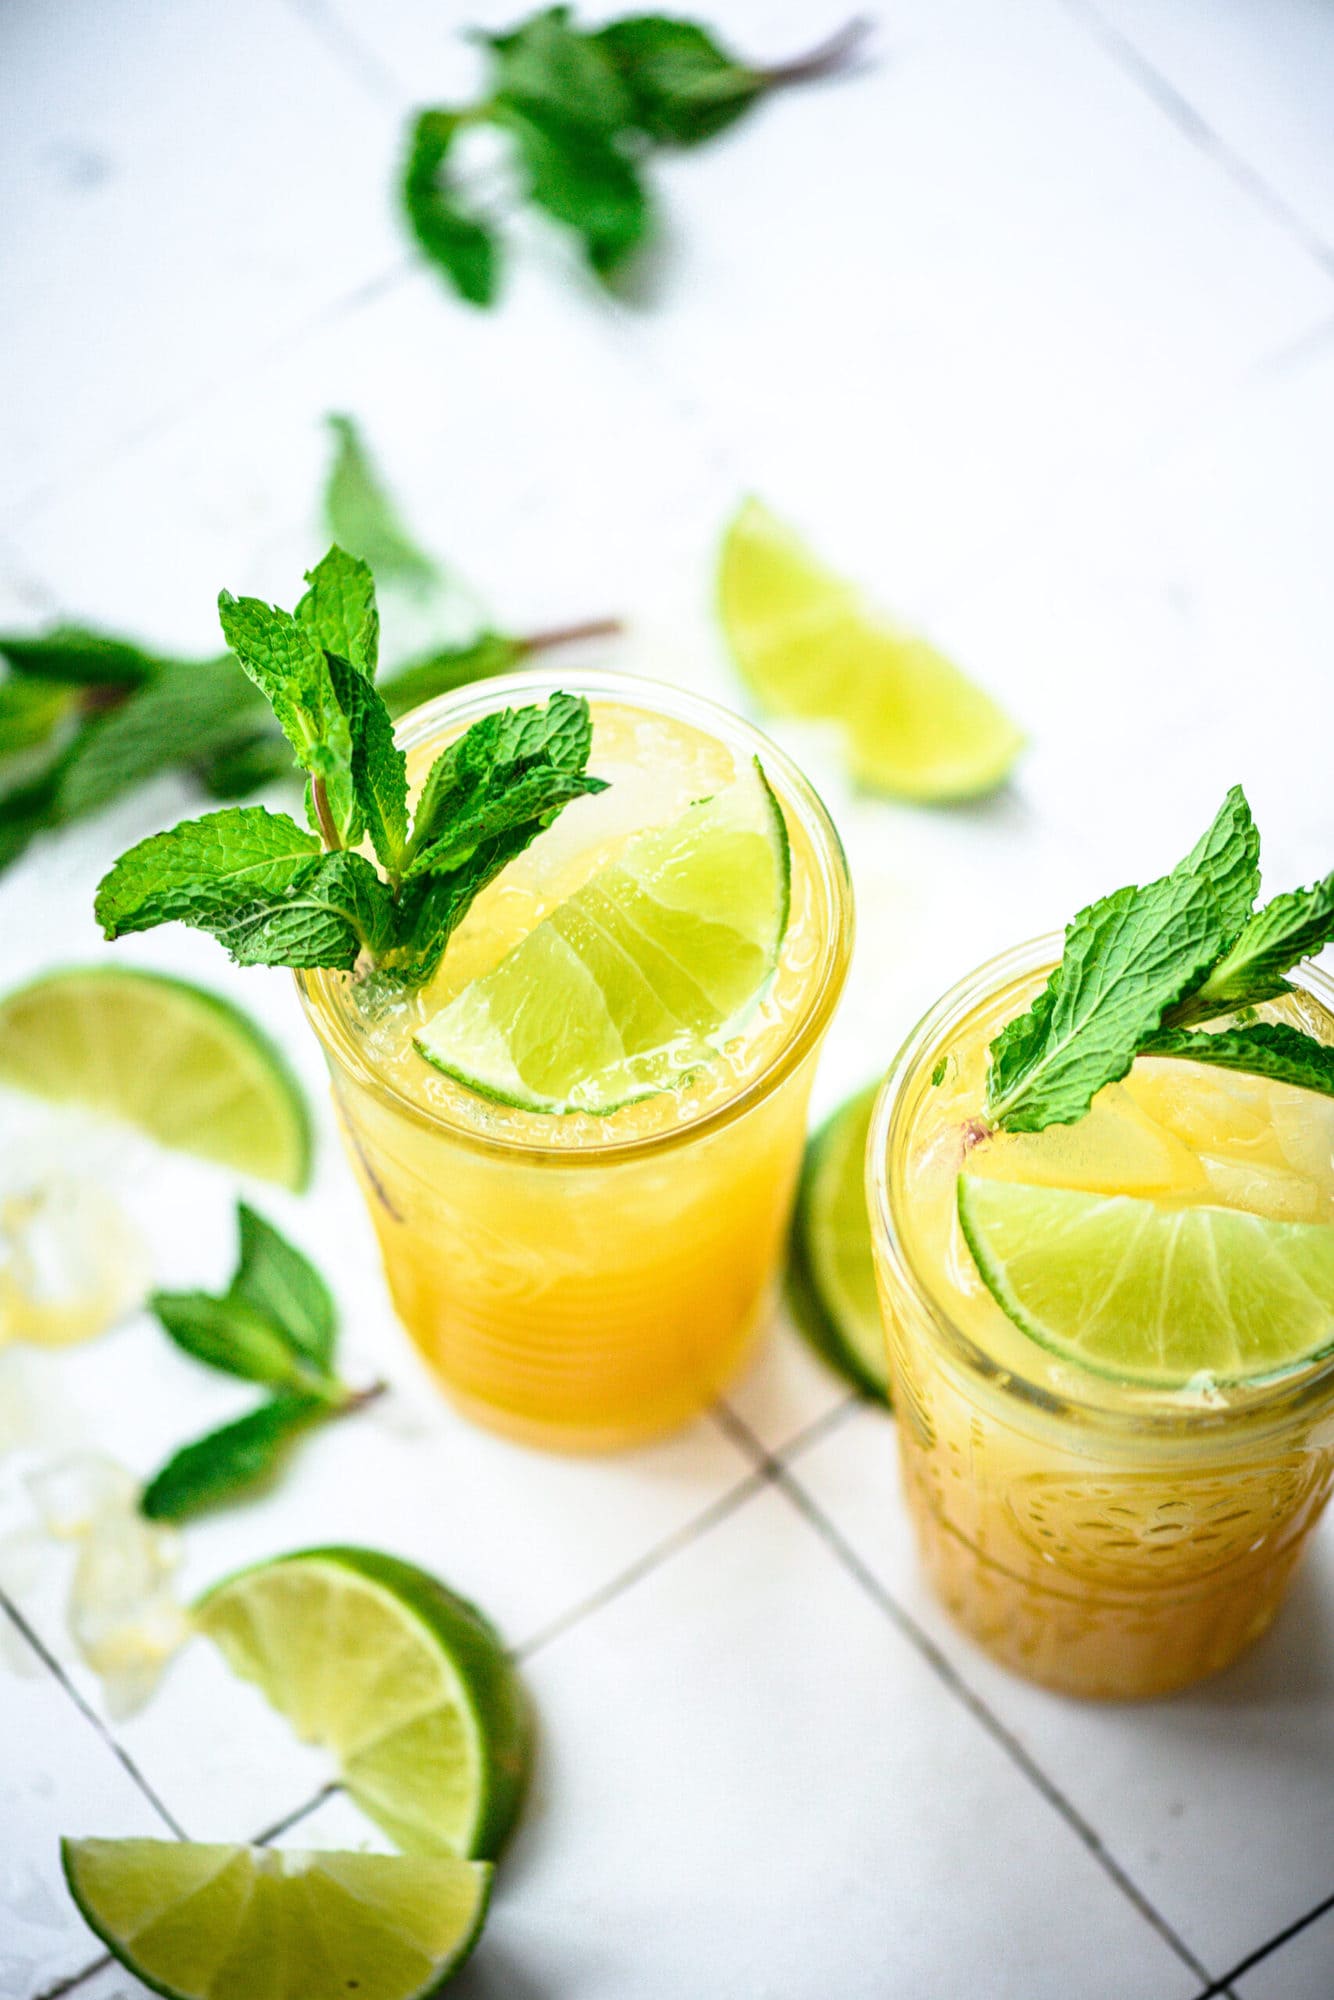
(467, 704)
(1137, 1407)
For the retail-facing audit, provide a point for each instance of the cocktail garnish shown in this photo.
(275, 894)
(1144, 967)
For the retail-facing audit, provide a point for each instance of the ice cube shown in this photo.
(71, 1262)
(1264, 1190)
(123, 1615)
(72, 1494)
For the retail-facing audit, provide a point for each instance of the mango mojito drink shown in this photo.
(579, 1139)
(1111, 1338)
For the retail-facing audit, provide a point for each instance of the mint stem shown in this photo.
(357, 1399)
(824, 60)
(566, 635)
(328, 831)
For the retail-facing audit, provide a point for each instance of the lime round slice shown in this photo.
(915, 725)
(637, 978)
(407, 1685)
(831, 1273)
(1151, 1294)
(202, 1922)
(189, 1069)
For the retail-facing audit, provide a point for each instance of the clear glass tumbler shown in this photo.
(1104, 1538)
(581, 1282)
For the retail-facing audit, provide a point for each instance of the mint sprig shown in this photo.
(273, 893)
(583, 110)
(86, 716)
(276, 1325)
(1143, 968)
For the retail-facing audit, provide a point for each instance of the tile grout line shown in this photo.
(358, 60)
(726, 1504)
(796, 1495)
(1221, 1989)
(72, 1981)
(1198, 132)
(161, 423)
(90, 1715)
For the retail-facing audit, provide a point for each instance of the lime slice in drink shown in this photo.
(407, 1684)
(1152, 1294)
(915, 726)
(199, 1922)
(637, 978)
(188, 1068)
(831, 1274)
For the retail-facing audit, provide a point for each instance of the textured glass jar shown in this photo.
(583, 1283)
(1105, 1539)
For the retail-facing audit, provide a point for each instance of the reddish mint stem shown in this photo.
(566, 635)
(829, 57)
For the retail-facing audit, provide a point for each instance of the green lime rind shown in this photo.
(443, 1769)
(183, 1916)
(914, 725)
(632, 984)
(1153, 1295)
(830, 1271)
(184, 1065)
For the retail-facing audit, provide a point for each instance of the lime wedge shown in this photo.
(407, 1684)
(808, 645)
(639, 976)
(831, 1273)
(189, 1069)
(1153, 1294)
(199, 1922)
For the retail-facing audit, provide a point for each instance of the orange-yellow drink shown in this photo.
(581, 1281)
(1105, 1537)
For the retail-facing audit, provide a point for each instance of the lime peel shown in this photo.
(915, 725)
(831, 1270)
(407, 1684)
(208, 1922)
(639, 977)
(183, 1064)
(1159, 1296)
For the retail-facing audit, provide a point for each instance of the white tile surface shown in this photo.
(1254, 72)
(689, 1816)
(57, 1776)
(1051, 374)
(1218, 1803)
(1302, 1969)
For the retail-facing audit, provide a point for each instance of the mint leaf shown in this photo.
(202, 870)
(684, 88)
(78, 657)
(1127, 958)
(238, 770)
(1288, 929)
(548, 67)
(485, 798)
(460, 243)
(582, 179)
(189, 709)
(1271, 1049)
(379, 767)
(30, 712)
(495, 753)
(274, 1278)
(286, 662)
(363, 519)
(233, 1336)
(339, 610)
(333, 910)
(1228, 856)
(230, 1461)
(449, 667)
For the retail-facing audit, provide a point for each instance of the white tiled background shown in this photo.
(1031, 325)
